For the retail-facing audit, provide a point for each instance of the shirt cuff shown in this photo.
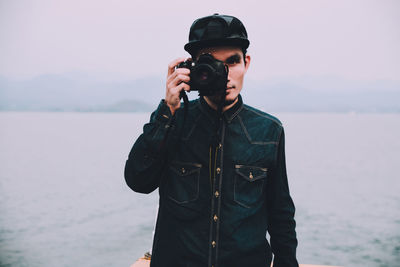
(163, 113)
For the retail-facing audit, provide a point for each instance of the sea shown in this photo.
(64, 201)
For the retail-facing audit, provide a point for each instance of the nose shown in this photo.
(227, 82)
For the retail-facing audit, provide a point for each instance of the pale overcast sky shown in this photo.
(352, 39)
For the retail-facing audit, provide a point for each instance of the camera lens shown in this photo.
(208, 75)
(204, 74)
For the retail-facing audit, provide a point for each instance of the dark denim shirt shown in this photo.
(216, 202)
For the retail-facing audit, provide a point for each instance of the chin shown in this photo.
(231, 96)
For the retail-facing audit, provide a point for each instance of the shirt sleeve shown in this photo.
(146, 160)
(281, 210)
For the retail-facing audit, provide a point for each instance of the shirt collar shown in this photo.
(229, 114)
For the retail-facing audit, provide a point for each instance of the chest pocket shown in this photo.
(249, 184)
(183, 182)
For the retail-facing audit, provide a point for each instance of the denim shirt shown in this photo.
(217, 202)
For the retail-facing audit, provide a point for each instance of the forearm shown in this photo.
(144, 167)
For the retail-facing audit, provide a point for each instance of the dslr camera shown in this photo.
(208, 75)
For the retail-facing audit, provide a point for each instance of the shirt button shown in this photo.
(218, 170)
(215, 218)
(216, 194)
(213, 244)
(251, 175)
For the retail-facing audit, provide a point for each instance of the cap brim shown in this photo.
(192, 47)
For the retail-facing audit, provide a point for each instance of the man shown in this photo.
(221, 173)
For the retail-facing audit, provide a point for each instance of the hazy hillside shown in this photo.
(80, 92)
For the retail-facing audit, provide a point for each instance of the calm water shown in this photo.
(64, 202)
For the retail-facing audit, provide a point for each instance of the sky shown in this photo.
(351, 39)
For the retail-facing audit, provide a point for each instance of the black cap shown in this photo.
(216, 30)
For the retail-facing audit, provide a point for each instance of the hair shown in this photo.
(244, 50)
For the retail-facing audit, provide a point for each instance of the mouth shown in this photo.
(228, 90)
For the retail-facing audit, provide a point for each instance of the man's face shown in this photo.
(233, 57)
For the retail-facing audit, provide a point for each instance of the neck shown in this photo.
(214, 106)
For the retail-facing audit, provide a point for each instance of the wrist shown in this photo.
(172, 108)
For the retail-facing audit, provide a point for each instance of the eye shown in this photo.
(233, 60)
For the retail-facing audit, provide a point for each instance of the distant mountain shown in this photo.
(345, 96)
(88, 93)
(79, 93)
(121, 106)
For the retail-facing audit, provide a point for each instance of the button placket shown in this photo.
(216, 178)
(214, 203)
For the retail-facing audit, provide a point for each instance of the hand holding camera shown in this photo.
(177, 80)
(207, 75)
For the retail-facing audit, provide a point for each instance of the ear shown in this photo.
(247, 60)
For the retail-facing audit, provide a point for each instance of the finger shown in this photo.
(184, 86)
(172, 82)
(175, 91)
(173, 64)
(185, 71)
(179, 79)
(173, 88)
(182, 71)
(171, 77)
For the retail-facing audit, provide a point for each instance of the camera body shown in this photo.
(208, 75)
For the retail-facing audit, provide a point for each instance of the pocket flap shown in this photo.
(184, 168)
(251, 173)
